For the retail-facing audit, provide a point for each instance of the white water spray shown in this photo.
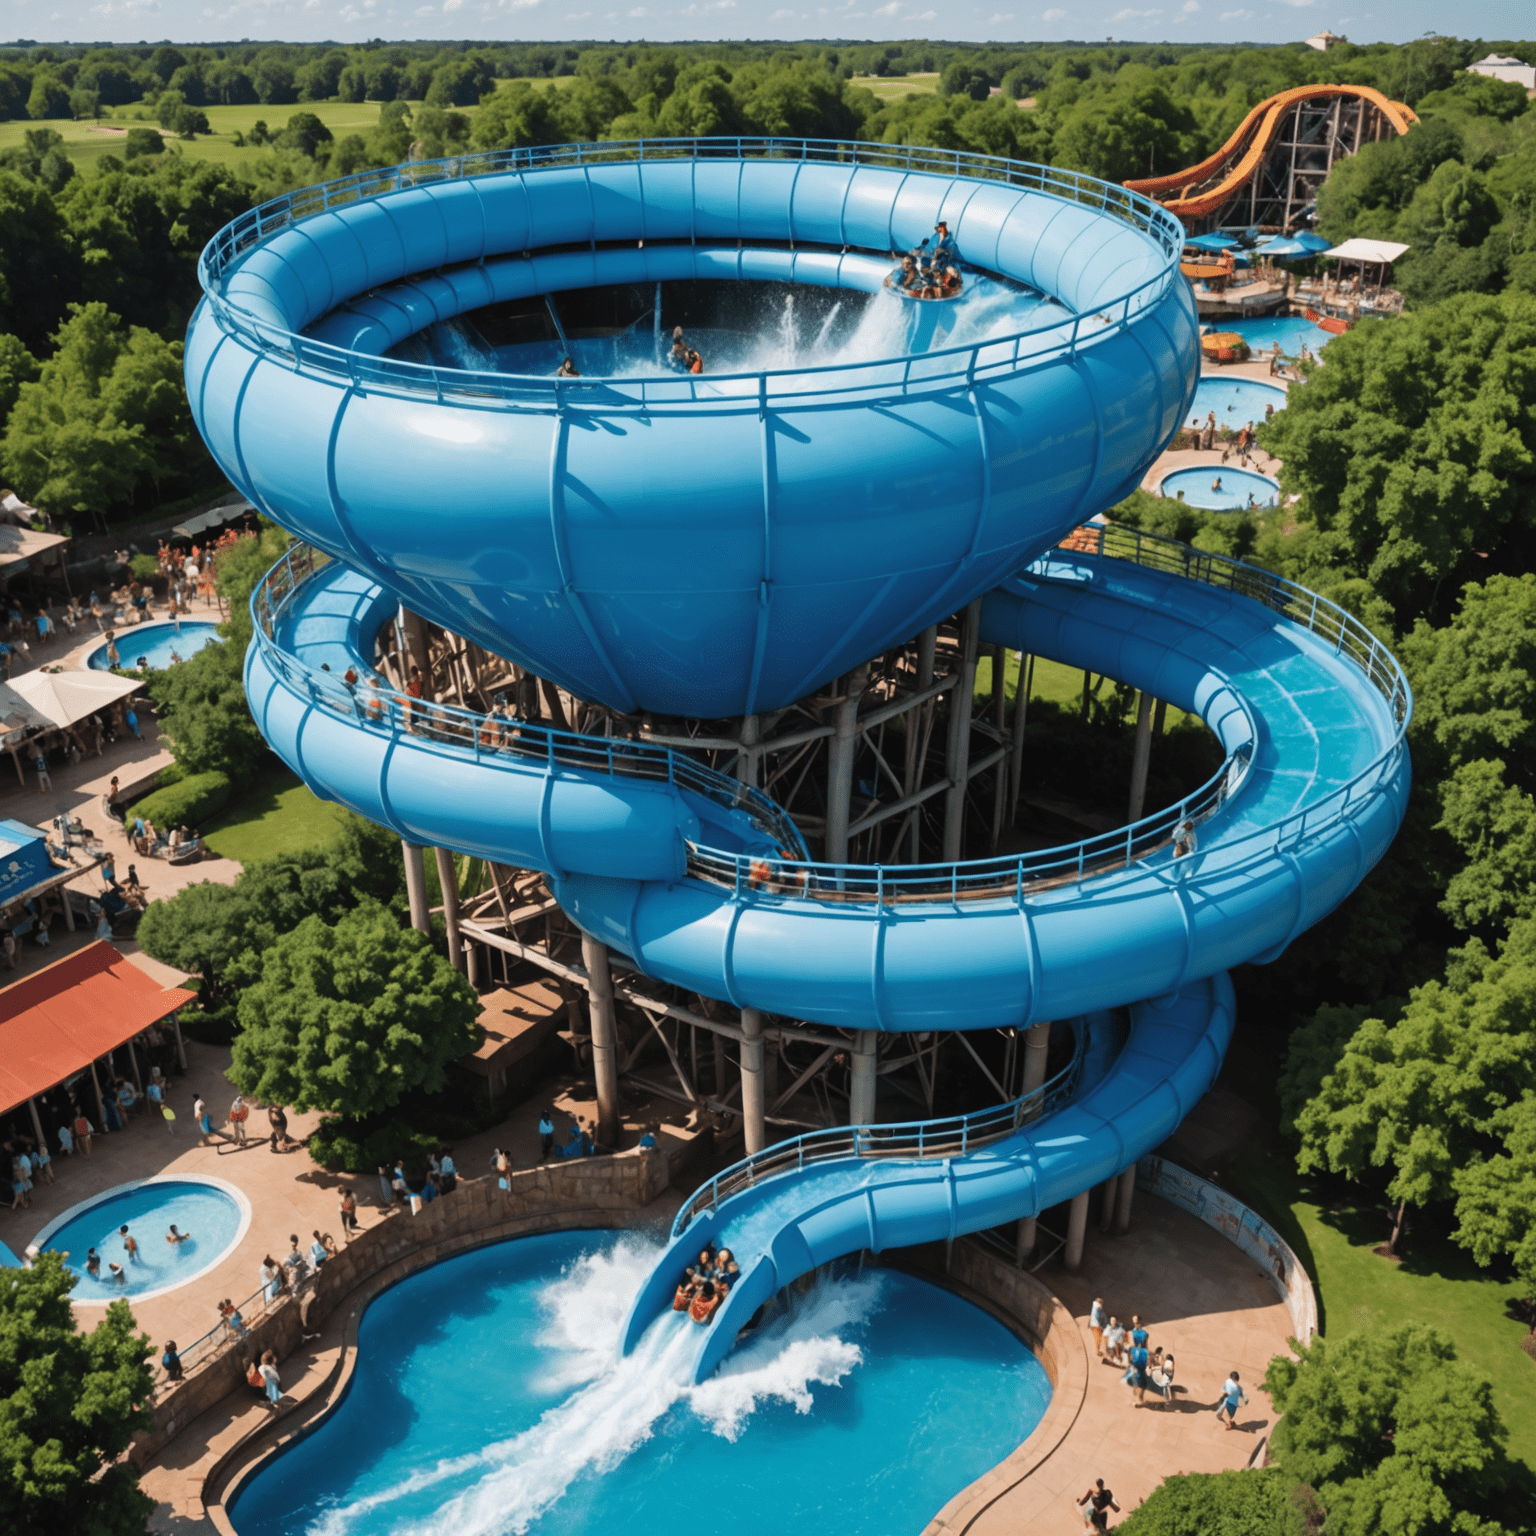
(616, 1403)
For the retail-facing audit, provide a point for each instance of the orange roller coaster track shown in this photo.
(1267, 174)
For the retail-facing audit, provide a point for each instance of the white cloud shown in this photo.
(888, 10)
(1297, 5)
(1054, 16)
(782, 16)
(1190, 7)
(999, 16)
(1130, 15)
(128, 8)
(1236, 15)
(639, 13)
(528, 5)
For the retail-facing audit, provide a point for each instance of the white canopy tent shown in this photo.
(63, 698)
(1372, 252)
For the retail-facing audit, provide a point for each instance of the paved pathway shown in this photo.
(1198, 1295)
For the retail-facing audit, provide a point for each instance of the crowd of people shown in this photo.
(441, 1177)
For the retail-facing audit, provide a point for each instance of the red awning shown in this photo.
(57, 1021)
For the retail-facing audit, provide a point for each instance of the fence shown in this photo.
(994, 357)
(951, 1136)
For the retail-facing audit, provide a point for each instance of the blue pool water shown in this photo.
(488, 1401)
(1293, 332)
(211, 1215)
(1236, 401)
(1237, 485)
(155, 642)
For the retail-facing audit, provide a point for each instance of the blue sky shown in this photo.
(1264, 21)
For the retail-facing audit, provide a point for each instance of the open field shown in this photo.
(277, 814)
(892, 87)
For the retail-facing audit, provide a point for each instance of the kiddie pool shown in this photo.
(214, 1212)
(155, 642)
(1236, 487)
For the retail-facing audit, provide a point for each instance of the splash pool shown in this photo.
(1293, 332)
(488, 1397)
(214, 1213)
(1237, 487)
(1236, 401)
(155, 642)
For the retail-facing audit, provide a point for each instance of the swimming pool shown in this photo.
(214, 1213)
(488, 1396)
(155, 642)
(1237, 485)
(1235, 400)
(1293, 332)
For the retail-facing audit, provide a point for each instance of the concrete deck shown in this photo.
(1197, 1295)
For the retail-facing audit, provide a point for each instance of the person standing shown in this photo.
(130, 1244)
(279, 1123)
(1232, 1398)
(348, 1214)
(44, 782)
(546, 1134)
(1097, 1322)
(448, 1171)
(239, 1113)
(270, 1380)
(1096, 1505)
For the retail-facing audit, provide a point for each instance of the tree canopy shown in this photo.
(348, 1017)
(70, 1403)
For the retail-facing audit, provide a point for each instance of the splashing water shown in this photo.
(619, 1400)
(488, 1401)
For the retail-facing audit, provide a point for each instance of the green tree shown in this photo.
(50, 96)
(203, 711)
(142, 141)
(1395, 1436)
(70, 1403)
(38, 262)
(1414, 455)
(17, 367)
(347, 1018)
(1133, 129)
(1267, 1503)
(1494, 826)
(107, 415)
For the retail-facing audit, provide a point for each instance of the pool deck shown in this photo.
(1199, 1296)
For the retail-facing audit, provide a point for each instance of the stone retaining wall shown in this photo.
(477, 1211)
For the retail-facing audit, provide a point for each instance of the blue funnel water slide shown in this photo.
(714, 545)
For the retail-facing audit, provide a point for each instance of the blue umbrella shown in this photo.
(1313, 242)
(1282, 247)
(1212, 242)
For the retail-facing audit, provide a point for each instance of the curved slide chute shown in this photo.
(1205, 189)
(830, 513)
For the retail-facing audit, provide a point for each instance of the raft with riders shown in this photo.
(706, 1284)
(930, 270)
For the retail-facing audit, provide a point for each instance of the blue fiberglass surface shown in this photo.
(155, 643)
(1237, 402)
(488, 1399)
(1239, 489)
(1293, 332)
(563, 533)
(211, 1216)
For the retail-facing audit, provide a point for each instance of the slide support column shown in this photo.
(1123, 1203)
(959, 753)
(753, 1099)
(841, 751)
(448, 878)
(1077, 1230)
(1037, 1045)
(416, 886)
(605, 1041)
(1142, 756)
(861, 1097)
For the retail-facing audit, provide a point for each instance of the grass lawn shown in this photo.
(86, 142)
(893, 87)
(278, 814)
(1436, 1283)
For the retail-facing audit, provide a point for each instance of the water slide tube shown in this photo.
(706, 884)
(1205, 188)
(705, 546)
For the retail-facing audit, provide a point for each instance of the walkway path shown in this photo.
(1198, 1295)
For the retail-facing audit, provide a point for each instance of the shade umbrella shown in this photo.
(1313, 242)
(1213, 242)
(1286, 247)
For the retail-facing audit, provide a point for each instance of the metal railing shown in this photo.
(909, 1141)
(1174, 830)
(493, 738)
(200, 1351)
(984, 359)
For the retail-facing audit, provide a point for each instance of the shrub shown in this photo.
(190, 802)
(144, 567)
(142, 141)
